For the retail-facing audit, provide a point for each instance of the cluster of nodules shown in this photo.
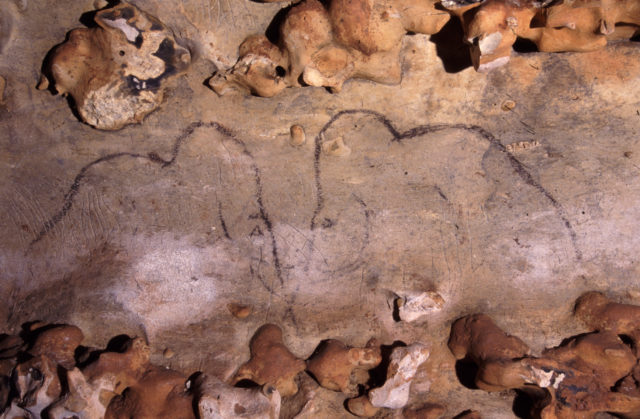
(117, 72)
(593, 372)
(337, 367)
(46, 373)
(327, 43)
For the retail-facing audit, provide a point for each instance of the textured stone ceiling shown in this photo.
(509, 193)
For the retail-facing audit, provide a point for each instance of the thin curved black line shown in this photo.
(398, 136)
(73, 191)
(366, 213)
(155, 158)
(318, 148)
(223, 223)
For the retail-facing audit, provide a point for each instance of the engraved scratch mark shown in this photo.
(154, 157)
(70, 195)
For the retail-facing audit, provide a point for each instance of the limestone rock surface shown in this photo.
(404, 362)
(116, 72)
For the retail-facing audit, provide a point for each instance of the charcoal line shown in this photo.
(425, 129)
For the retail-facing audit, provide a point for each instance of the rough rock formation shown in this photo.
(58, 343)
(298, 136)
(325, 46)
(158, 393)
(479, 339)
(415, 305)
(92, 388)
(404, 363)
(10, 347)
(568, 25)
(114, 384)
(427, 411)
(361, 406)
(35, 379)
(121, 382)
(240, 311)
(85, 400)
(321, 46)
(336, 366)
(117, 72)
(37, 384)
(271, 362)
(219, 400)
(600, 313)
(586, 374)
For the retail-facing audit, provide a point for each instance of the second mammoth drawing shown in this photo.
(326, 43)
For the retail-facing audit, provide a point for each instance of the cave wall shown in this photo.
(510, 212)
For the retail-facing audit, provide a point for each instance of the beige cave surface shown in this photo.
(509, 193)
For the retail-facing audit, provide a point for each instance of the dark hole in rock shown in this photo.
(451, 48)
(528, 402)
(627, 340)
(378, 375)
(36, 374)
(118, 343)
(524, 46)
(273, 30)
(463, 414)
(83, 355)
(396, 310)
(466, 371)
(246, 383)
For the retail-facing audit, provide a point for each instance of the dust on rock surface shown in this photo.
(220, 208)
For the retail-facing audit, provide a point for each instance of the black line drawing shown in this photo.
(420, 130)
(155, 158)
(315, 222)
